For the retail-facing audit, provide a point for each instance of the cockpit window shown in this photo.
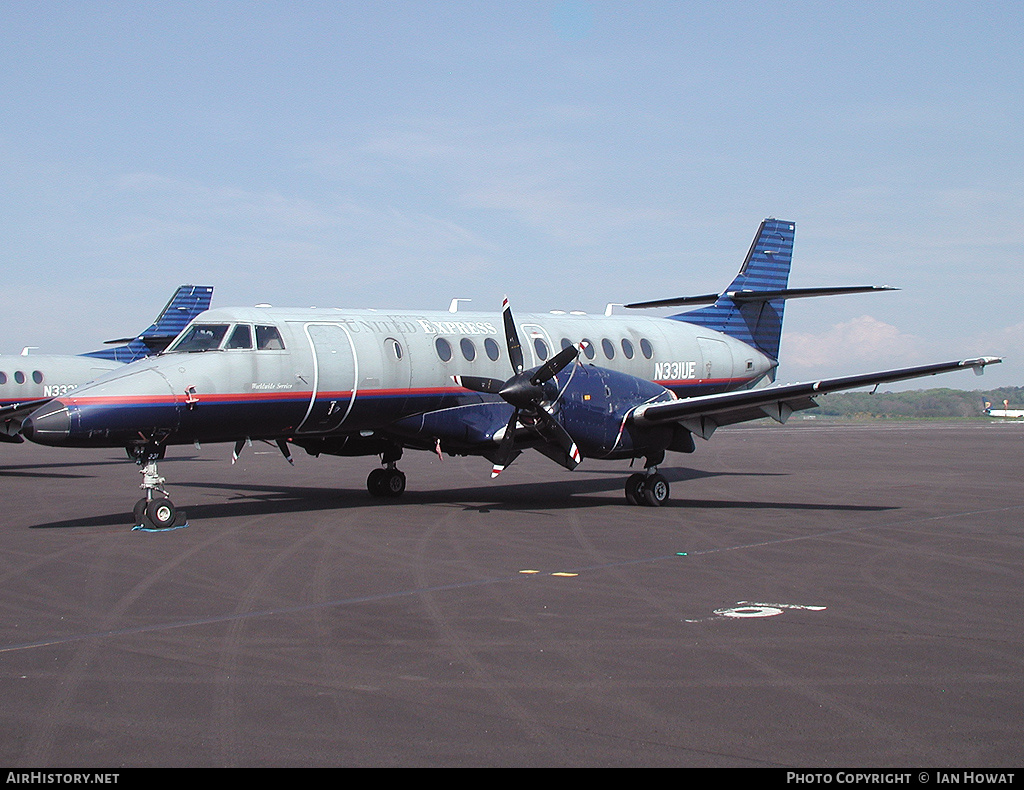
(268, 339)
(241, 337)
(200, 337)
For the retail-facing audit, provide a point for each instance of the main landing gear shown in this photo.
(648, 488)
(389, 480)
(155, 510)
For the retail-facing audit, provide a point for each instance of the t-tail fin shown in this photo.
(751, 308)
(188, 302)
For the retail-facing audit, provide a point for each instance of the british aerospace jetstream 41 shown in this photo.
(366, 382)
(29, 380)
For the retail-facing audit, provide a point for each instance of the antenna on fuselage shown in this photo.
(454, 306)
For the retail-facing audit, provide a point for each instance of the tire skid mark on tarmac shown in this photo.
(224, 719)
(866, 724)
(514, 576)
(74, 672)
(454, 640)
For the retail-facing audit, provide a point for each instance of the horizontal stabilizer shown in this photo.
(702, 414)
(188, 302)
(745, 295)
(676, 302)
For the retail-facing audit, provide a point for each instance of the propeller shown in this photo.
(524, 392)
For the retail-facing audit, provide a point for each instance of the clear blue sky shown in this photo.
(569, 154)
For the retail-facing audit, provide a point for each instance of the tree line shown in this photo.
(917, 404)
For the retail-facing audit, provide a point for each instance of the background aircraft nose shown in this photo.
(50, 424)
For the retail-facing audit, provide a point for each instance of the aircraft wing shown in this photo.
(12, 415)
(702, 414)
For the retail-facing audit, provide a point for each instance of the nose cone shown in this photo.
(114, 410)
(50, 424)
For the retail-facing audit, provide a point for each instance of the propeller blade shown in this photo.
(555, 365)
(506, 451)
(515, 350)
(480, 384)
(562, 437)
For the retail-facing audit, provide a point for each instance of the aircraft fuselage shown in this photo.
(331, 372)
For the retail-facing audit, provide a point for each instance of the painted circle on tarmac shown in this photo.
(749, 611)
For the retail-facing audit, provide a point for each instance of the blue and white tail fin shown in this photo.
(751, 308)
(188, 302)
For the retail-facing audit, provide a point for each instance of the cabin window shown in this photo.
(19, 377)
(395, 346)
(608, 347)
(200, 337)
(541, 348)
(3, 377)
(444, 349)
(645, 348)
(268, 338)
(492, 350)
(566, 342)
(37, 376)
(588, 349)
(627, 348)
(468, 349)
(241, 337)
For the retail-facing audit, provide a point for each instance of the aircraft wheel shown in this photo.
(656, 490)
(374, 482)
(161, 513)
(139, 511)
(635, 489)
(392, 483)
(386, 483)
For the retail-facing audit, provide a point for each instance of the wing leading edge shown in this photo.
(702, 415)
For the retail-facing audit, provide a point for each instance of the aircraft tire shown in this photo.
(656, 490)
(386, 483)
(139, 511)
(374, 482)
(635, 489)
(392, 484)
(161, 513)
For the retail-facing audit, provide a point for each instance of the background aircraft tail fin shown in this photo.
(188, 302)
(751, 308)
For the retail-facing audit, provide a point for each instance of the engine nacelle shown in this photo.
(593, 404)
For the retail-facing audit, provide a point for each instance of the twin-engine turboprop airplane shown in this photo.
(29, 380)
(366, 382)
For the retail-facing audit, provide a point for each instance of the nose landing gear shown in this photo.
(154, 511)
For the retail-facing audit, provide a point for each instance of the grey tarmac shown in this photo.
(813, 595)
